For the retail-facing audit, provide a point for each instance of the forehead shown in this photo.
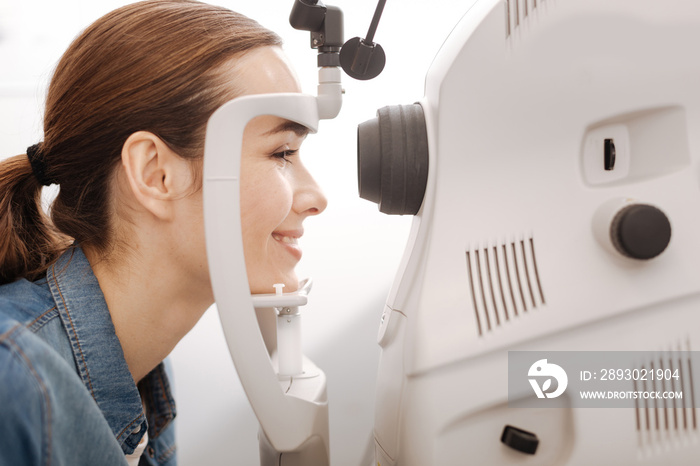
(267, 70)
(264, 70)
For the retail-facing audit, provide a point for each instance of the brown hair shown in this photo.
(154, 66)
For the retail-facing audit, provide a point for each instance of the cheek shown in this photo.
(262, 211)
(191, 233)
(265, 203)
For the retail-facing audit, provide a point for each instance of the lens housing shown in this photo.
(392, 159)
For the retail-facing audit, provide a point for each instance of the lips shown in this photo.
(290, 241)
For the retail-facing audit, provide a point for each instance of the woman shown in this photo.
(94, 299)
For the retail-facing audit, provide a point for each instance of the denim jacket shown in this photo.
(66, 394)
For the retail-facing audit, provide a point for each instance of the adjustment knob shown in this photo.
(640, 231)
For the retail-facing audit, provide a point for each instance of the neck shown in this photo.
(153, 302)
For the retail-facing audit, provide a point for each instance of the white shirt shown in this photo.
(133, 459)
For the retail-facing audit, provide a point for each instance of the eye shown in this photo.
(285, 154)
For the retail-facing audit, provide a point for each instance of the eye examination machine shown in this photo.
(552, 170)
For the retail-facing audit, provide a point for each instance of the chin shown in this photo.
(291, 283)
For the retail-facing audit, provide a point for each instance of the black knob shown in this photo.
(640, 231)
(362, 60)
(519, 439)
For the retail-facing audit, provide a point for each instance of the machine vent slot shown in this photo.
(517, 12)
(666, 420)
(504, 281)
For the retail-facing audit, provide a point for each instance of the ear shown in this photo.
(155, 173)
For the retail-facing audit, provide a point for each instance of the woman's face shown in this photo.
(277, 192)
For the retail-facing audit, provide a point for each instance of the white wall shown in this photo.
(351, 251)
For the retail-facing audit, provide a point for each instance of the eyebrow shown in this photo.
(288, 125)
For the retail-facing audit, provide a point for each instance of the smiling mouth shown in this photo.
(290, 242)
(286, 239)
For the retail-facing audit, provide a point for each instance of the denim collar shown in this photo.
(99, 358)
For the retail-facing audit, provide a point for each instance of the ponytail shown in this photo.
(29, 242)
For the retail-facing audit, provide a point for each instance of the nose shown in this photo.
(308, 196)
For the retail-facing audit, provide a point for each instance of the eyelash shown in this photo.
(285, 154)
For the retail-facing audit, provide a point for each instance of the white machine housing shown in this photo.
(511, 250)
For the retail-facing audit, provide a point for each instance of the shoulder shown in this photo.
(45, 407)
(24, 302)
(31, 330)
(26, 406)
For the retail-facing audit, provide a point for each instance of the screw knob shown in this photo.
(640, 231)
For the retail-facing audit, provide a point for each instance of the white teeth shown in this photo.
(285, 239)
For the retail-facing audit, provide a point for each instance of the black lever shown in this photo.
(362, 58)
